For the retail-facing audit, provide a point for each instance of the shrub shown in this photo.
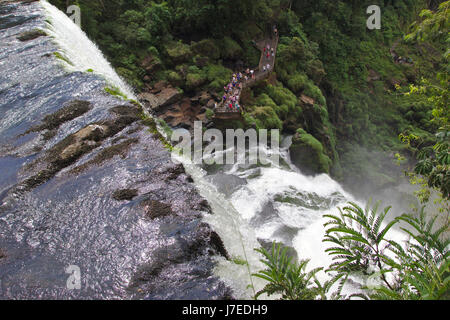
(178, 52)
(195, 80)
(209, 114)
(175, 79)
(360, 237)
(218, 76)
(206, 47)
(229, 49)
(282, 96)
(297, 83)
(266, 118)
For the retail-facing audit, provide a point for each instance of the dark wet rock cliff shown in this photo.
(84, 183)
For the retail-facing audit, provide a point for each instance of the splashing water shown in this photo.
(82, 53)
(276, 203)
(295, 224)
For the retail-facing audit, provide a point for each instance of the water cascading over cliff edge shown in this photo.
(83, 182)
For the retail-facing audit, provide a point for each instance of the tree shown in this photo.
(434, 162)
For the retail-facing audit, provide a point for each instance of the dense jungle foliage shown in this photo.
(347, 92)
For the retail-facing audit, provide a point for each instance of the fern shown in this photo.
(287, 278)
(418, 269)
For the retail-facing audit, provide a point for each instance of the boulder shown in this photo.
(151, 64)
(204, 98)
(166, 97)
(307, 100)
(159, 86)
(155, 209)
(125, 194)
(31, 35)
(211, 103)
(307, 153)
(91, 132)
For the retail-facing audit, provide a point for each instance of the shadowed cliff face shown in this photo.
(84, 183)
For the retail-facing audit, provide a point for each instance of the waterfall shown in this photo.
(276, 203)
(242, 220)
(82, 53)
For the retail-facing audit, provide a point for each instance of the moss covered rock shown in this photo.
(266, 118)
(307, 153)
(178, 52)
(156, 209)
(195, 80)
(207, 48)
(30, 35)
(52, 122)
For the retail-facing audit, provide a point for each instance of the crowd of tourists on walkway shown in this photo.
(233, 89)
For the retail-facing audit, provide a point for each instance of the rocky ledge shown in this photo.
(88, 185)
(177, 109)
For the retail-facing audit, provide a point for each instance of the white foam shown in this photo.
(80, 50)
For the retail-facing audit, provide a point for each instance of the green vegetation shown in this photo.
(361, 242)
(432, 169)
(334, 78)
(309, 153)
(346, 93)
(239, 261)
(153, 129)
(61, 57)
(287, 278)
(116, 92)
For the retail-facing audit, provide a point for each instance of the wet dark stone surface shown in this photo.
(66, 214)
(125, 194)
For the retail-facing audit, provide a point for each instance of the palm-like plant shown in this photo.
(359, 237)
(290, 279)
(423, 266)
(419, 269)
(285, 277)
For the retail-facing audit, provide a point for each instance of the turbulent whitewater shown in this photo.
(82, 53)
(196, 250)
